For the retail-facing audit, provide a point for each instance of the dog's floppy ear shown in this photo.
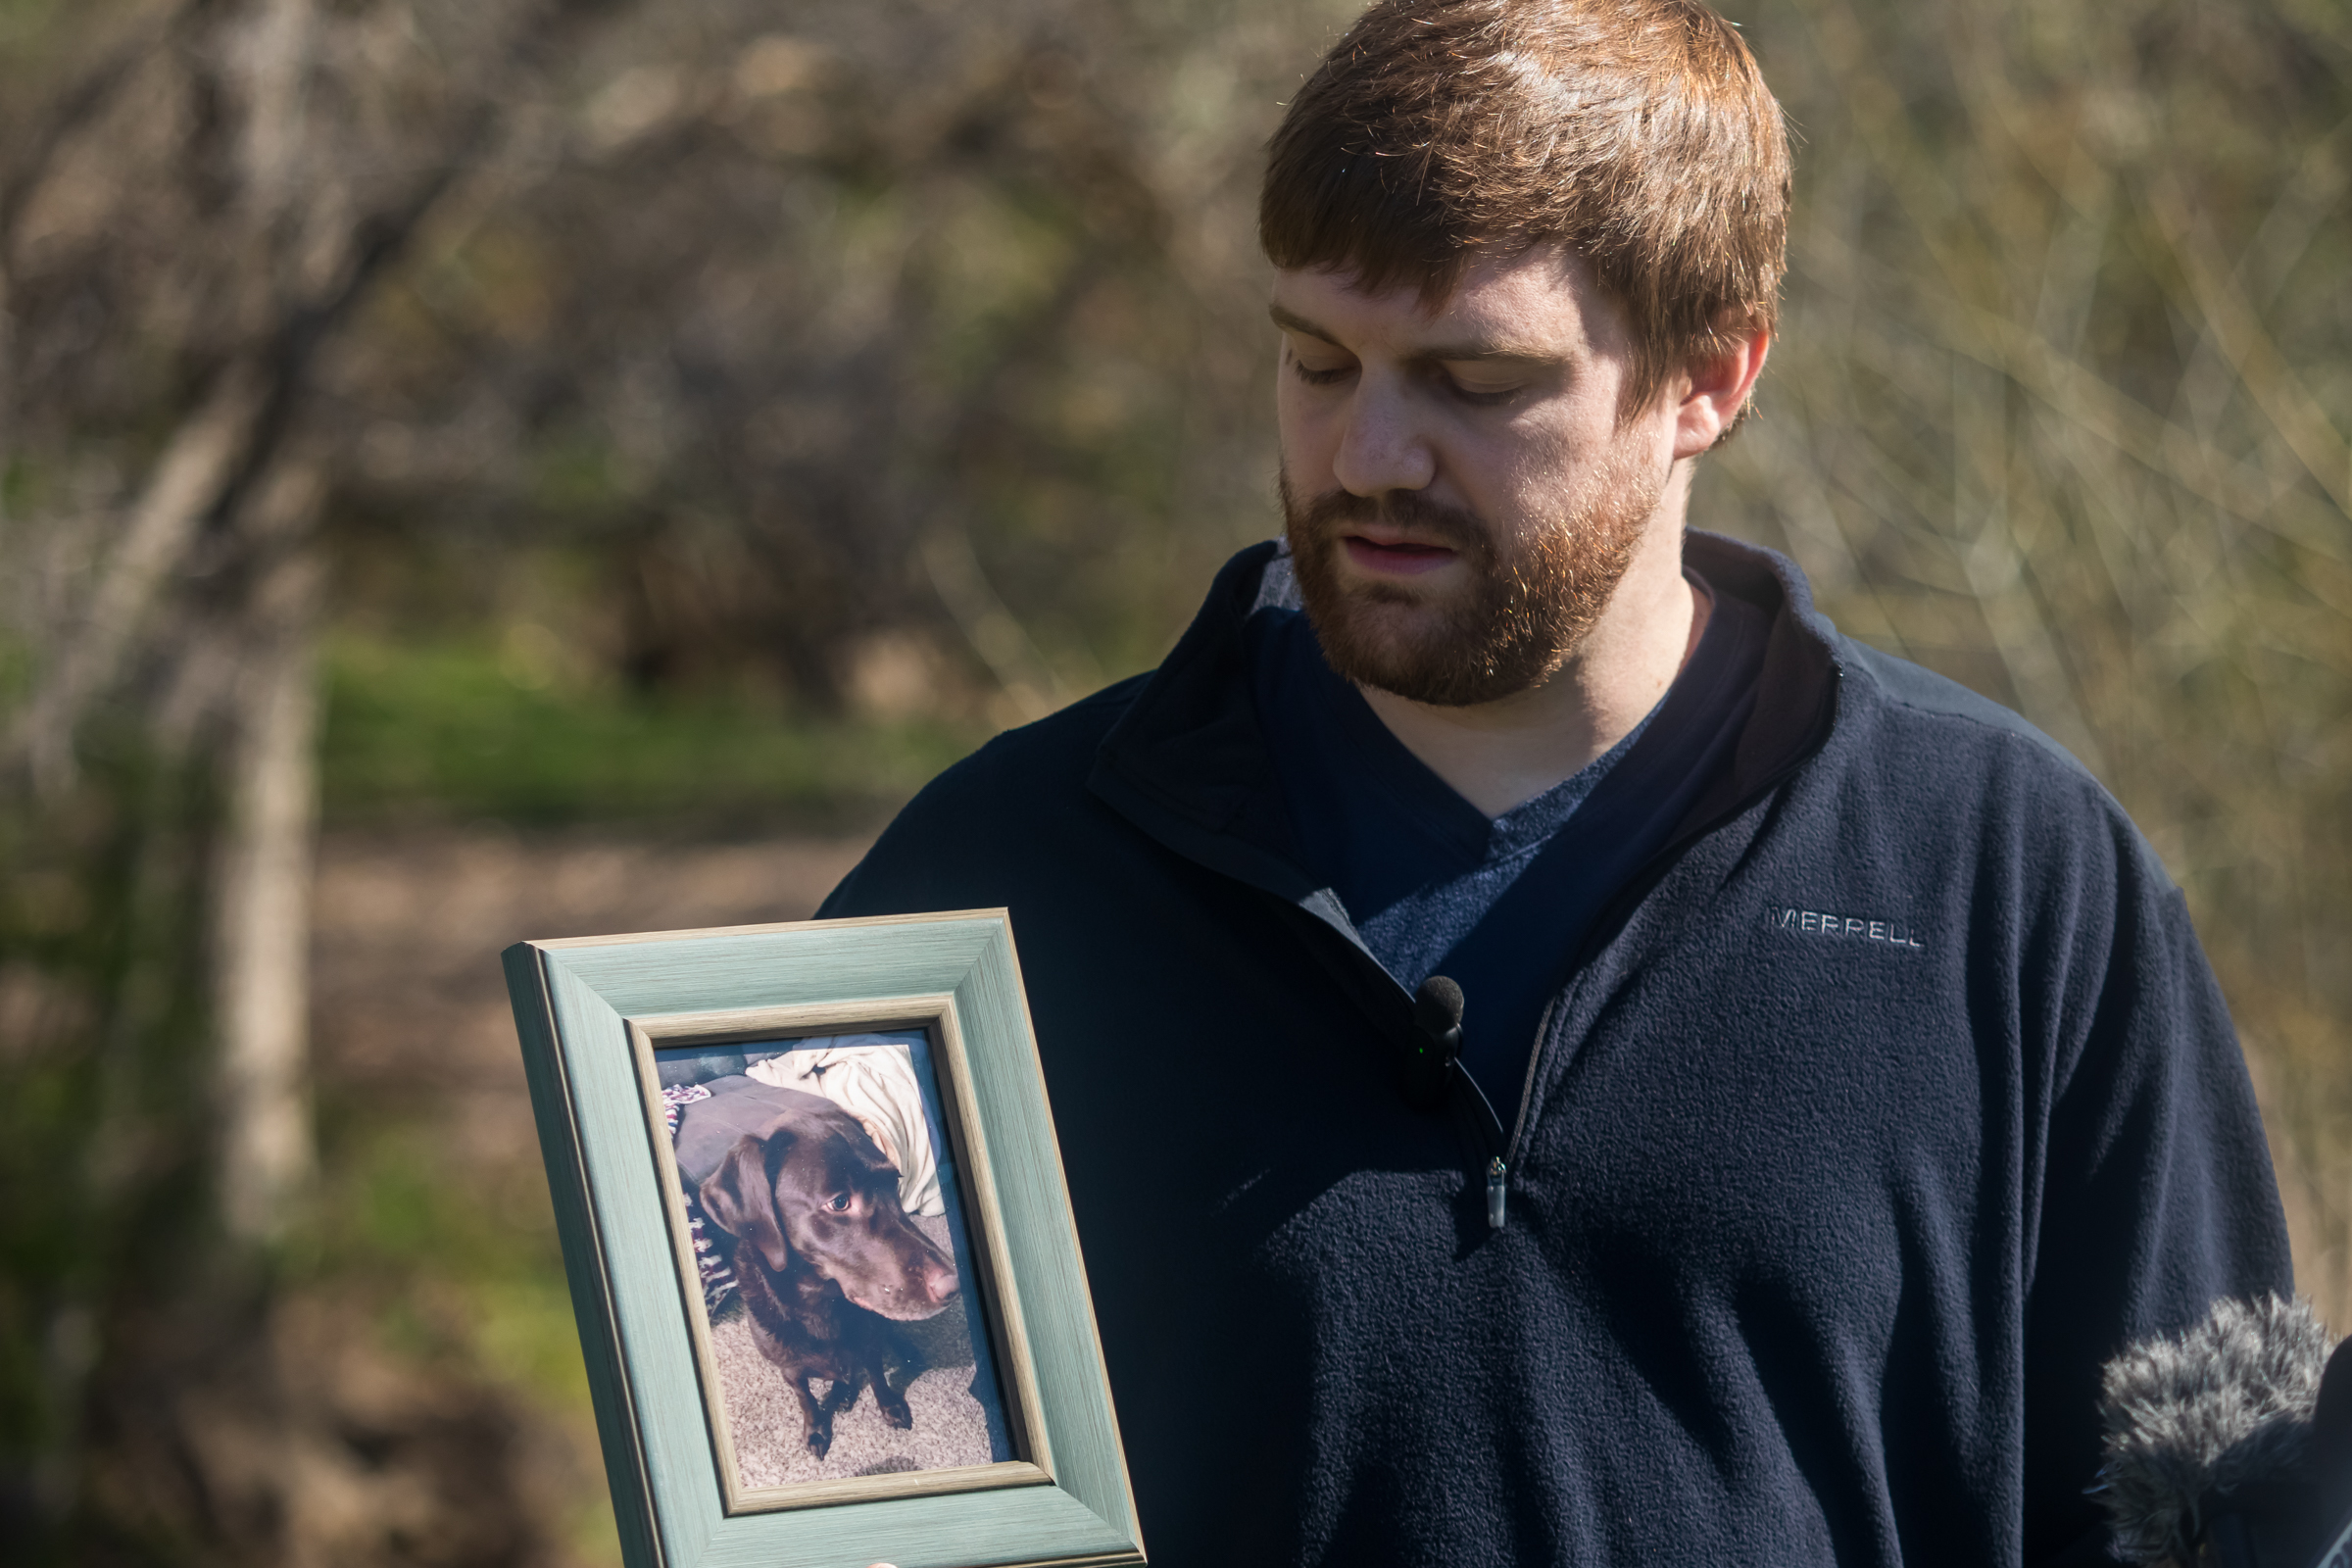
(740, 1197)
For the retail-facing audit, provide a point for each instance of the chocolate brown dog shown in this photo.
(825, 1256)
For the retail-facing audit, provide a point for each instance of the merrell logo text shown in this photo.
(1819, 922)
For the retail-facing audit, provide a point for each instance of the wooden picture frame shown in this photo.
(593, 1014)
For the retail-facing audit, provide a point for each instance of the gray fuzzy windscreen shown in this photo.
(2231, 1400)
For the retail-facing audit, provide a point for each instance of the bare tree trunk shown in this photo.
(188, 479)
(262, 905)
(276, 67)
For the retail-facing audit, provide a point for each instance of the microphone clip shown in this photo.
(1435, 1050)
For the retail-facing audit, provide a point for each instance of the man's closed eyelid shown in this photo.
(1482, 396)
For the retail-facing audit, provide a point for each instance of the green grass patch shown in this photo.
(454, 730)
(465, 1267)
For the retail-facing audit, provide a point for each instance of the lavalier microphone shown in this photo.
(1436, 1041)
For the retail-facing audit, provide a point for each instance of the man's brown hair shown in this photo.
(1638, 133)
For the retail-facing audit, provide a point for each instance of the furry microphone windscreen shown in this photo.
(2219, 1419)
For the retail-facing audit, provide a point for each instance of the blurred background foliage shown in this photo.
(705, 419)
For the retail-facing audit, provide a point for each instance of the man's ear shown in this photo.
(740, 1197)
(1715, 388)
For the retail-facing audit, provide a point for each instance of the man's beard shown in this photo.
(1526, 611)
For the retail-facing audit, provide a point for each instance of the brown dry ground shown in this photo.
(408, 1001)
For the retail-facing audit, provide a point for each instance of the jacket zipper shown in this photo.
(1499, 1168)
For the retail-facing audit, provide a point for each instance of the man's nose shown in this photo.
(1383, 447)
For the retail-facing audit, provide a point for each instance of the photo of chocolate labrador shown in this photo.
(828, 1236)
(826, 1258)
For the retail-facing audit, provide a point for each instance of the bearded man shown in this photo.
(1559, 1056)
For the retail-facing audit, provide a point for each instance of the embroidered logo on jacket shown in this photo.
(1819, 922)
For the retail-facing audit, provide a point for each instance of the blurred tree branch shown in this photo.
(191, 233)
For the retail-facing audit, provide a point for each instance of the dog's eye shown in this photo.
(838, 1202)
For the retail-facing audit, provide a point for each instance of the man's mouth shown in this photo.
(1398, 559)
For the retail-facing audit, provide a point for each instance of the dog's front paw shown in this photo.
(820, 1438)
(894, 1407)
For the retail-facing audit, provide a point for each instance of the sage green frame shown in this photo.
(585, 1008)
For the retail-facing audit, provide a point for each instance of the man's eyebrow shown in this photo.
(1486, 349)
(1292, 321)
(1448, 353)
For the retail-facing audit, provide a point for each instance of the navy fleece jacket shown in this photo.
(1880, 1107)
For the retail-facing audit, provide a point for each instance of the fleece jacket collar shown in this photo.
(1188, 763)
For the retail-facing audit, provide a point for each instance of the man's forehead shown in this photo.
(1533, 304)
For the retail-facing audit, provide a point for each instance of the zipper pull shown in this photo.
(1495, 1172)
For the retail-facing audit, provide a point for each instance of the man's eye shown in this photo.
(838, 1202)
(1314, 378)
(1481, 397)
